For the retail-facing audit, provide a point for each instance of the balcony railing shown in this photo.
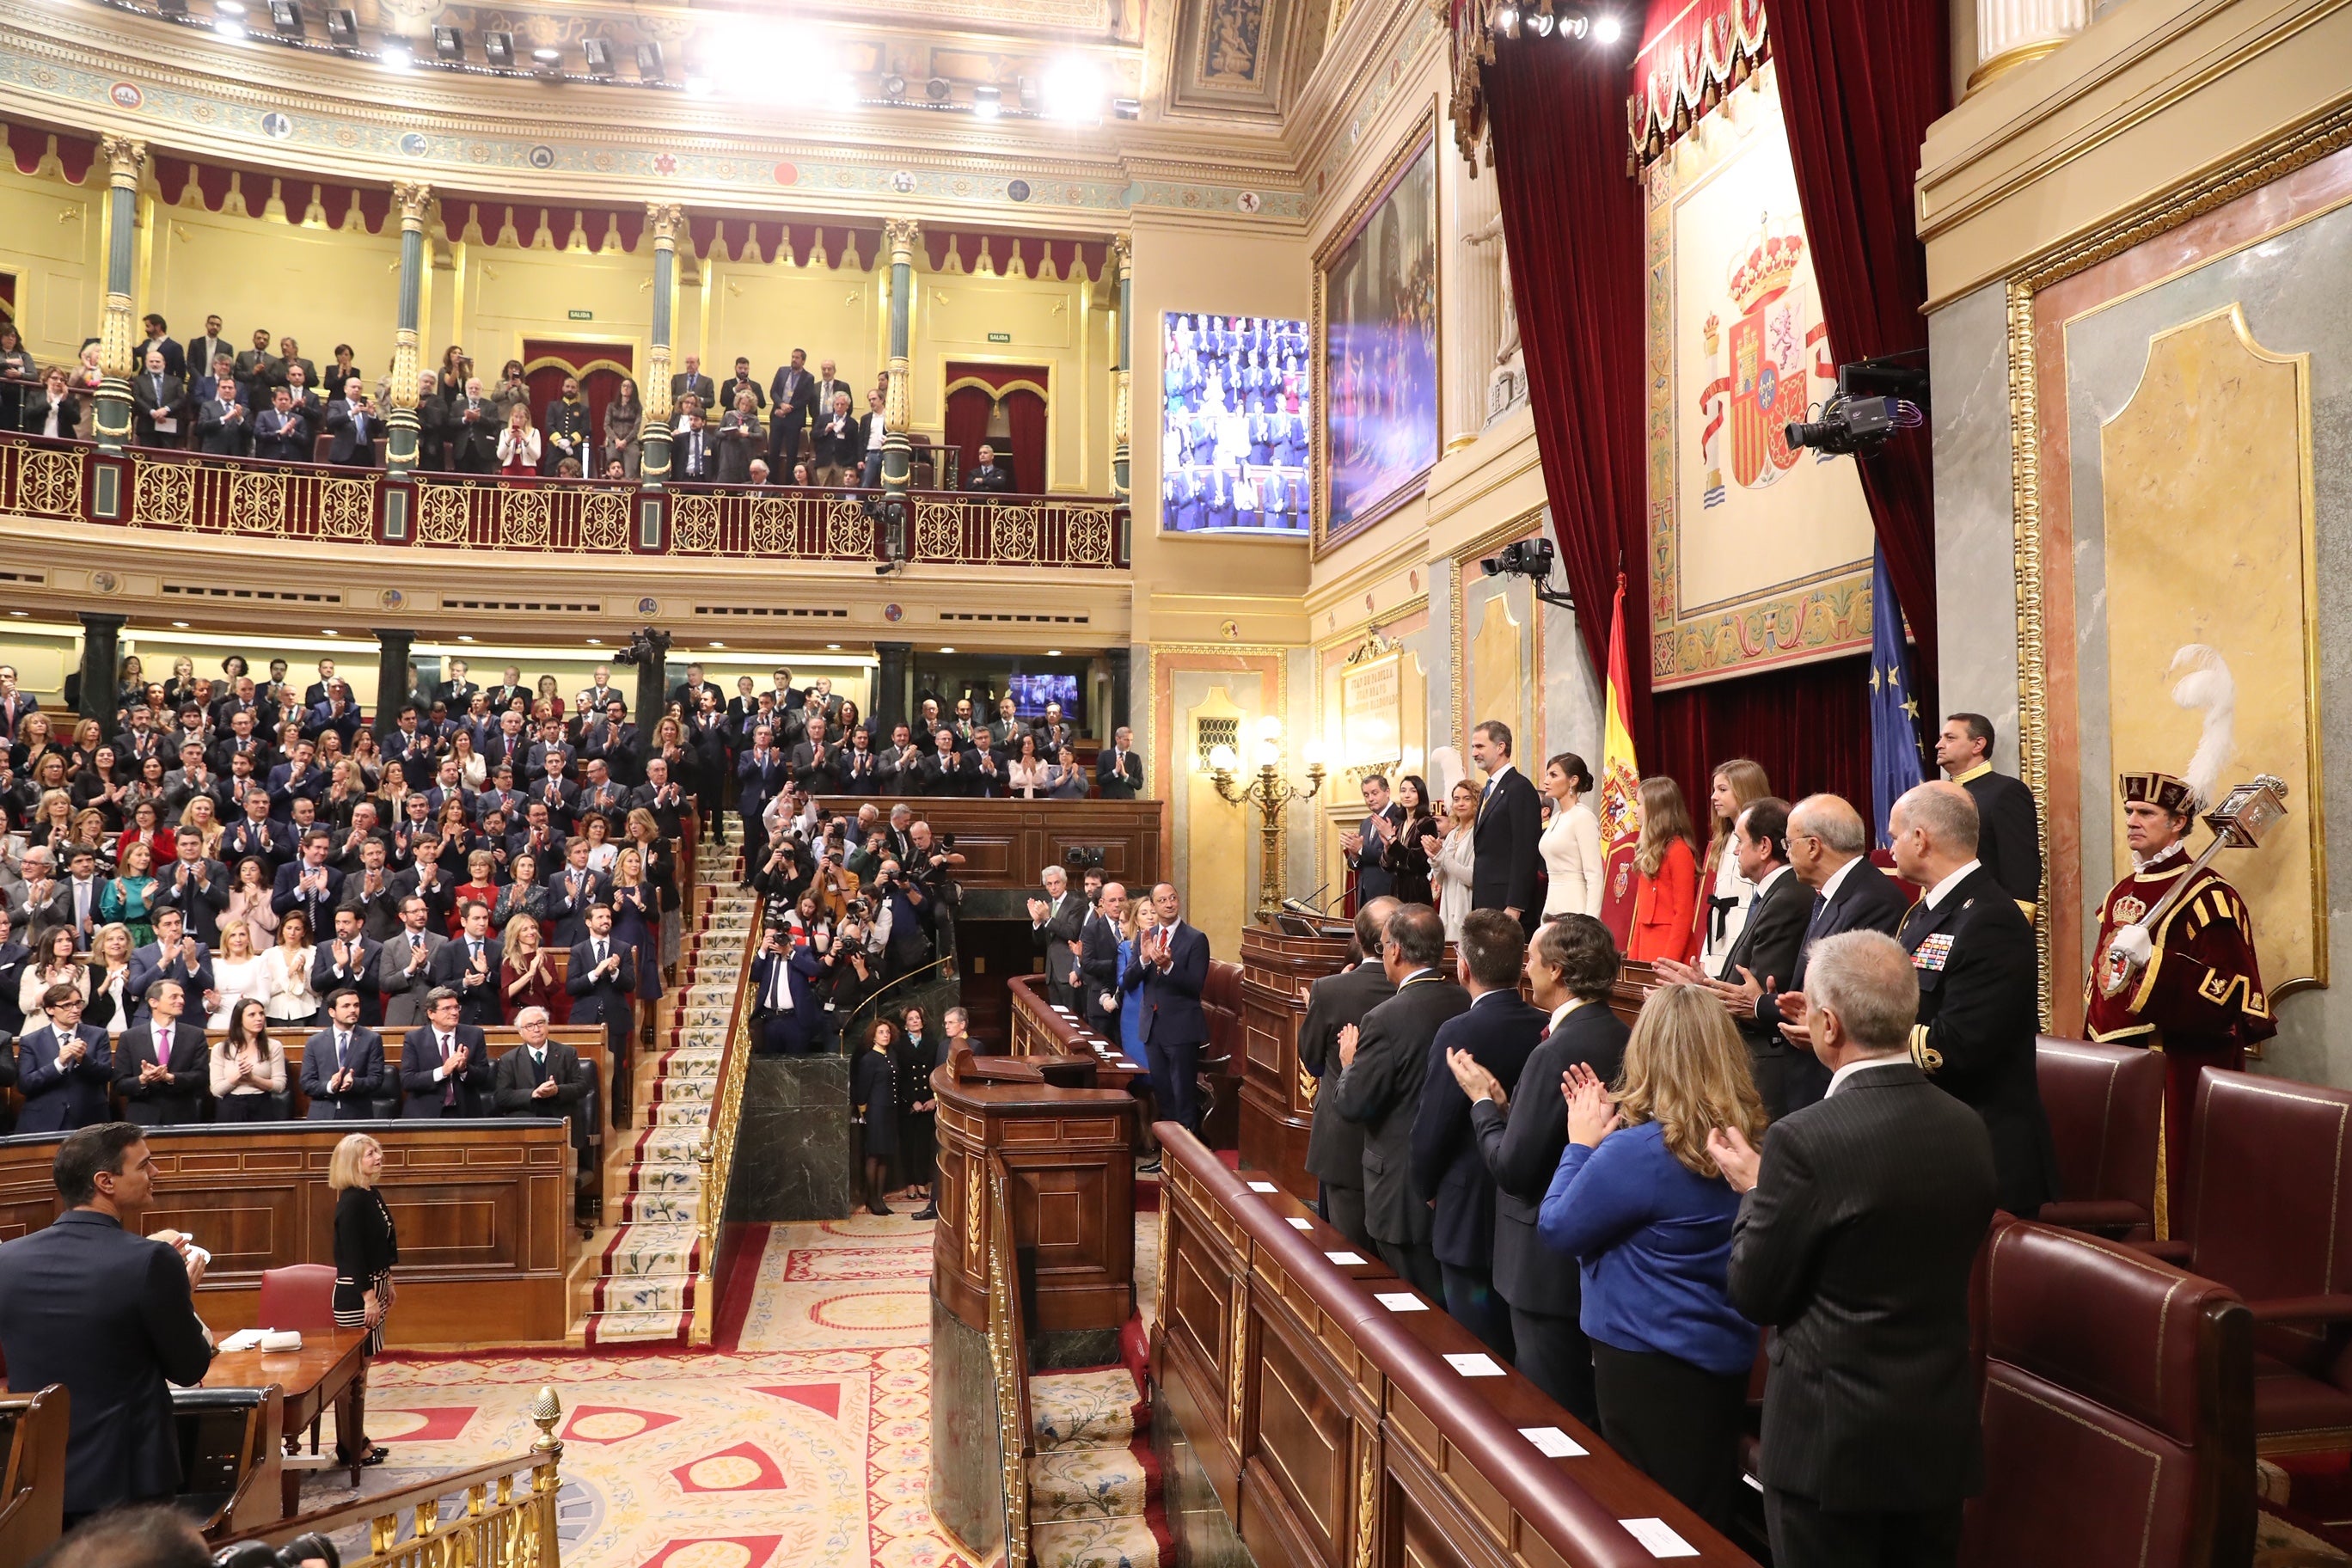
(238, 498)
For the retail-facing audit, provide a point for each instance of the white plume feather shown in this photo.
(2203, 682)
(1445, 762)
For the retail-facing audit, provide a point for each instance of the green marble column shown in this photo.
(118, 335)
(896, 410)
(653, 462)
(400, 445)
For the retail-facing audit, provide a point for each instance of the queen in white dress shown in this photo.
(1571, 841)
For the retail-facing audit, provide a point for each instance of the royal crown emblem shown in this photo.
(1762, 369)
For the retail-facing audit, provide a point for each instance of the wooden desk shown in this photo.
(1039, 1029)
(1069, 1155)
(328, 1372)
(589, 1039)
(484, 1212)
(1277, 1095)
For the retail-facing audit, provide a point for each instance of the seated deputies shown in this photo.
(543, 1077)
(445, 1065)
(470, 965)
(281, 434)
(1119, 771)
(600, 980)
(342, 1064)
(986, 476)
(1641, 1204)
(249, 1068)
(354, 424)
(159, 1062)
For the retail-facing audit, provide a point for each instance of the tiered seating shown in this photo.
(642, 1289)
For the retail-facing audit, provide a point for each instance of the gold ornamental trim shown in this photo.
(1012, 534)
(1237, 1364)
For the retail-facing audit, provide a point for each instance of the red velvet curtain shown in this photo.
(1025, 412)
(1808, 728)
(967, 423)
(1573, 229)
(1859, 81)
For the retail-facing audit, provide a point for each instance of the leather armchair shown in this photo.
(1221, 1063)
(2263, 1209)
(2104, 1104)
(2116, 1388)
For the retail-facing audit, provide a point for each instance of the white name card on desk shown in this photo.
(1297, 1223)
(1263, 1187)
(1552, 1443)
(1400, 1301)
(1345, 1259)
(1474, 1364)
(1659, 1537)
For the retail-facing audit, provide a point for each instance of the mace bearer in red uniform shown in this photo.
(2177, 968)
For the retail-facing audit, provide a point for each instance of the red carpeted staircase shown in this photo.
(1095, 1499)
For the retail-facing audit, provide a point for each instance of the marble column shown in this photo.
(897, 414)
(2011, 33)
(652, 693)
(101, 642)
(653, 462)
(400, 447)
(889, 703)
(1121, 662)
(119, 335)
(1122, 366)
(392, 646)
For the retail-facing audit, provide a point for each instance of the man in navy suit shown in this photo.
(1096, 959)
(1170, 973)
(280, 435)
(470, 965)
(603, 975)
(352, 425)
(159, 1063)
(173, 955)
(110, 1315)
(347, 962)
(761, 773)
(342, 1064)
(445, 1066)
(1497, 1033)
(785, 1005)
(299, 775)
(1509, 821)
(310, 885)
(64, 1069)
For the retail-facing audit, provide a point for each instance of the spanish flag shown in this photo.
(1621, 785)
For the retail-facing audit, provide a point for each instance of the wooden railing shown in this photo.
(33, 1473)
(502, 1525)
(717, 1155)
(163, 490)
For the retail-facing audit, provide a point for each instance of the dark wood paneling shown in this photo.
(1277, 1098)
(1006, 843)
(483, 1212)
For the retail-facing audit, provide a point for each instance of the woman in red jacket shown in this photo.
(1667, 859)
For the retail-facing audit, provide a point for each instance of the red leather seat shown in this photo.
(2264, 1209)
(2104, 1104)
(300, 1296)
(2117, 1416)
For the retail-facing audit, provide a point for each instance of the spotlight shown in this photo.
(894, 86)
(547, 56)
(987, 103)
(1074, 91)
(600, 56)
(396, 55)
(1127, 108)
(1574, 24)
(1540, 24)
(698, 87)
(449, 43)
(938, 88)
(173, 8)
(342, 27)
(649, 62)
(229, 7)
(1607, 29)
(498, 49)
(228, 29)
(287, 18)
(1507, 22)
(1032, 94)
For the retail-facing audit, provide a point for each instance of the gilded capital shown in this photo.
(668, 218)
(125, 157)
(1122, 253)
(902, 233)
(412, 199)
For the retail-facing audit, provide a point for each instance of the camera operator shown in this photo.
(902, 909)
(852, 973)
(783, 873)
(934, 861)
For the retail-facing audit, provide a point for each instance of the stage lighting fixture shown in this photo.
(449, 43)
(649, 62)
(1607, 29)
(547, 56)
(1127, 108)
(988, 102)
(396, 55)
(498, 49)
(173, 8)
(1074, 91)
(342, 27)
(599, 52)
(1507, 22)
(227, 29)
(1540, 22)
(894, 86)
(938, 88)
(287, 18)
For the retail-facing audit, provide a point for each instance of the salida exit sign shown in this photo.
(581, 315)
(1000, 337)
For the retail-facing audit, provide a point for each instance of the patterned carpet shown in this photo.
(807, 1446)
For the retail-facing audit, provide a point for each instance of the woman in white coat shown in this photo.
(1571, 841)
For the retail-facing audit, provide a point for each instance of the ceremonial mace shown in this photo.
(2244, 815)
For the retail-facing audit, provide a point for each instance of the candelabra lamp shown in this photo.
(1272, 792)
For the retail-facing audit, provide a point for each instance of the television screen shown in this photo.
(1235, 413)
(1032, 692)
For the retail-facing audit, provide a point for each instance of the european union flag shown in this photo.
(1895, 763)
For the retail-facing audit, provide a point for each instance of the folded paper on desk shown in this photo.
(263, 1339)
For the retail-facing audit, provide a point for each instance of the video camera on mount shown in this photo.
(646, 647)
(1875, 397)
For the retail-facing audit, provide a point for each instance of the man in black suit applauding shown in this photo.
(159, 1062)
(1366, 846)
(64, 1066)
(1335, 1145)
(1496, 1033)
(1571, 967)
(1972, 950)
(111, 1316)
(1097, 960)
(540, 1078)
(445, 1066)
(1169, 970)
(1055, 923)
(1764, 956)
(1510, 820)
(342, 1064)
(2009, 826)
(601, 980)
(1118, 772)
(1857, 1232)
(470, 965)
(1383, 1062)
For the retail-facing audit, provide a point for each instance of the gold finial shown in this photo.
(546, 1410)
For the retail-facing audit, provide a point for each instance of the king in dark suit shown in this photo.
(1169, 970)
(111, 1316)
(1383, 1062)
(1335, 1145)
(1509, 821)
(1498, 1031)
(1856, 1237)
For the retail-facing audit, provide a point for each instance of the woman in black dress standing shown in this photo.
(365, 1250)
(874, 1105)
(1405, 859)
(918, 1123)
